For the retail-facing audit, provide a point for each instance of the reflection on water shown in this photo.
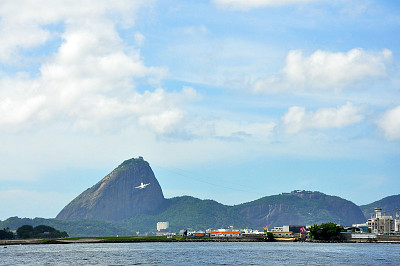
(201, 253)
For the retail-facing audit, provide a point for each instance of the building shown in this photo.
(363, 227)
(195, 233)
(162, 226)
(282, 234)
(225, 233)
(283, 231)
(380, 224)
(284, 228)
(296, 229)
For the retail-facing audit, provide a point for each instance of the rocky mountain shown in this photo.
(116, 197)
(387, 204)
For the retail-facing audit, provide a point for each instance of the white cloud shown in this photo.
(23, 22)
(390, 123)
(139, 39)
(89, 82)
(244, 5)
(327, 70)
(297, 118)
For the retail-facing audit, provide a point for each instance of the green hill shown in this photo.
(300, 207)
(387, 204)
(189, 212)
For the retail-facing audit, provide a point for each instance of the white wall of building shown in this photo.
(162, 225)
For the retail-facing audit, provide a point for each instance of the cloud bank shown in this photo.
(90, 80)
(297, 119)
(390, 123)
(327, 70)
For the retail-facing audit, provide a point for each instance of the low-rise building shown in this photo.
(196, 234)
(284, 228)
(283, 234)
(282, 231)
(225, 233)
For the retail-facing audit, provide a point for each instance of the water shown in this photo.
(201, 253)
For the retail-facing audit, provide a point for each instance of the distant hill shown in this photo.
(296, 208)
(300, 207)
(387, 204)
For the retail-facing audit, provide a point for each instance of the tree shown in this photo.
(326, 231)
(6, 234)
(25, 231)
(270, 236)
(40, 231)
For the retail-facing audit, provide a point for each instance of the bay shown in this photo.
(222, 253)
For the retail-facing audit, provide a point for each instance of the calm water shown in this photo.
(201, 253)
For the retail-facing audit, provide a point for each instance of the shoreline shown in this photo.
(89, 240)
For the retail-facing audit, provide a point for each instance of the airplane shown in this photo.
(142, 186)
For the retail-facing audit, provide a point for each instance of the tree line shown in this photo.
(28, 231)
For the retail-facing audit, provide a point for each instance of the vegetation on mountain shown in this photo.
(189, 212)
(300, 207)
(388, 204)
(325, 231)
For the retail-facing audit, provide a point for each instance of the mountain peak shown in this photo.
(118, 195)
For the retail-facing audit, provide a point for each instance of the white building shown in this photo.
(284, 228)
(162, 225)
(381, 225)
(283, 234)
(281, 231)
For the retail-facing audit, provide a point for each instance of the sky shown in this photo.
(229, 100)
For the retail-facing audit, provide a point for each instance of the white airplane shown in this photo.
(142, 186)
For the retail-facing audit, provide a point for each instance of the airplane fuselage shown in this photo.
(142, 186)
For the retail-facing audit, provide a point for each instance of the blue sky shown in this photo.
(228, 100)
